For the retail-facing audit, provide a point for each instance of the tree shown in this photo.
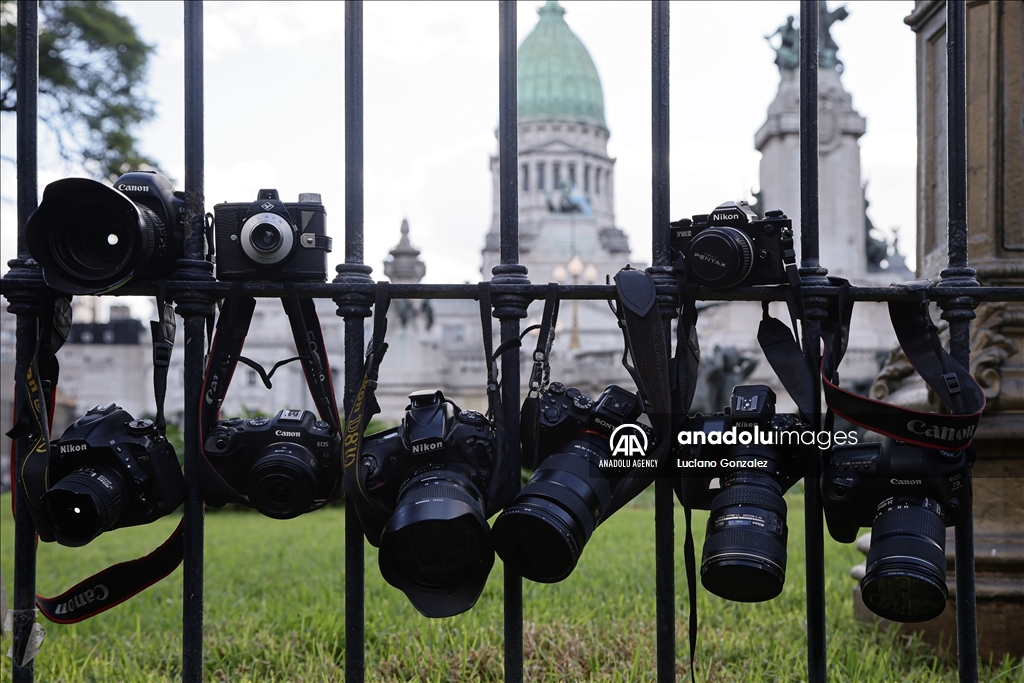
(92, 70)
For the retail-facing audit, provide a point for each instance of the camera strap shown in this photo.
(529, 414)
(505, 473)
(225, 354)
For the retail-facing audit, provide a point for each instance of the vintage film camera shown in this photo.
(110, 471)
(545, 528)
(432, 472)
(285, 465)
(755, 453)
(272, 240)
(732, 247)
(90, 238)
(908, 495)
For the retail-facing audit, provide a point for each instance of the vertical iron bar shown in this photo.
(355, 628)
(510, 311)
(27, 74)
(811, 272)
(194, 533)
(960, 310)
(664, 504)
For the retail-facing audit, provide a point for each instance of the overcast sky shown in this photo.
(275, 110)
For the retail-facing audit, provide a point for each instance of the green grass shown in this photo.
(275, 612)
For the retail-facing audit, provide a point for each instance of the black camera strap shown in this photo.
(529, 414)
(225, 354)
(505, 473)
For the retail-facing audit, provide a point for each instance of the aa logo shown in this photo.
(628, 440)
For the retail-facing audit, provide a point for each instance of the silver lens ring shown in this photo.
(267, 257)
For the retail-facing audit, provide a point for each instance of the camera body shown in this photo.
(286, 465)
(90, 238)
(859, 480)
(110, 471)
(272, 240)
(435, 435)
(732, 247)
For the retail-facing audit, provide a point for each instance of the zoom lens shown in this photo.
(542, 533)
(905, 577)
(436, 547)
(85, 503)
(282, 484)
(744, 557)
(720, 257)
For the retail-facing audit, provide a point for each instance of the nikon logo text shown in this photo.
(940, 433)
(73, 448)
(281, 432)
(427, 447)
(724, 216)
(628, 440)
(906, 482)
(132, 188)
(86, 597)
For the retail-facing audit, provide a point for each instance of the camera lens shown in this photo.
(282, 484)
(90, 239)
(542, 533)
(744, 557)
(85, 503)
(266, 238)
(436, 547)
(905, 577)
(720, 257)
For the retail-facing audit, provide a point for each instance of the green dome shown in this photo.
(557, 77)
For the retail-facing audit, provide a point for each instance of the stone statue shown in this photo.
(787, 54)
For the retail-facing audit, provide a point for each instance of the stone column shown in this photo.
(995, 195)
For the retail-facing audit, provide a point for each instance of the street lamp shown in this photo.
(561, 274)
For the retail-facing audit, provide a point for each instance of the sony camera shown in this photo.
(90, 238)
(755, 454)
(110, 471)
(272, 240)
(908, 495)
(545, 528)
(432, 472)
(732, 247)
(285, 465)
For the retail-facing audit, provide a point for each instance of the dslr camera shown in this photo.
(732, 247)
(111, 471)
(432, 471)
(908, 495)
(285, 465)
(755, 455)
(90, 238)
(272, 240)
(545, 528)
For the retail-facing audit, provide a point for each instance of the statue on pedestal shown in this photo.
(787, 54)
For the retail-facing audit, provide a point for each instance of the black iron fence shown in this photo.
(194, 290)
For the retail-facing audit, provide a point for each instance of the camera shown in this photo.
(272, 240)
(732, 247)
(755, 455)
(908, 495)
(285, 465)
(545, 528)
(431, 471)
(111, 471)
(90, 238)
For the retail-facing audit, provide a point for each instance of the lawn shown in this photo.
(275, 612)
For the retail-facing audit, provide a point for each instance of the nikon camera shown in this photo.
(285, 465)
(110, 471)
(732, 247)
(272, 240)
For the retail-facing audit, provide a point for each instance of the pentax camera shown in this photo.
(285, 465)
(90, 238)
(732, 247)
(110, 471)
(545, 528)
(755, 455)
(272, 240)
(908, 495)
(432, 471)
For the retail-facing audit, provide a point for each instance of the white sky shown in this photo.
(275, 111)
